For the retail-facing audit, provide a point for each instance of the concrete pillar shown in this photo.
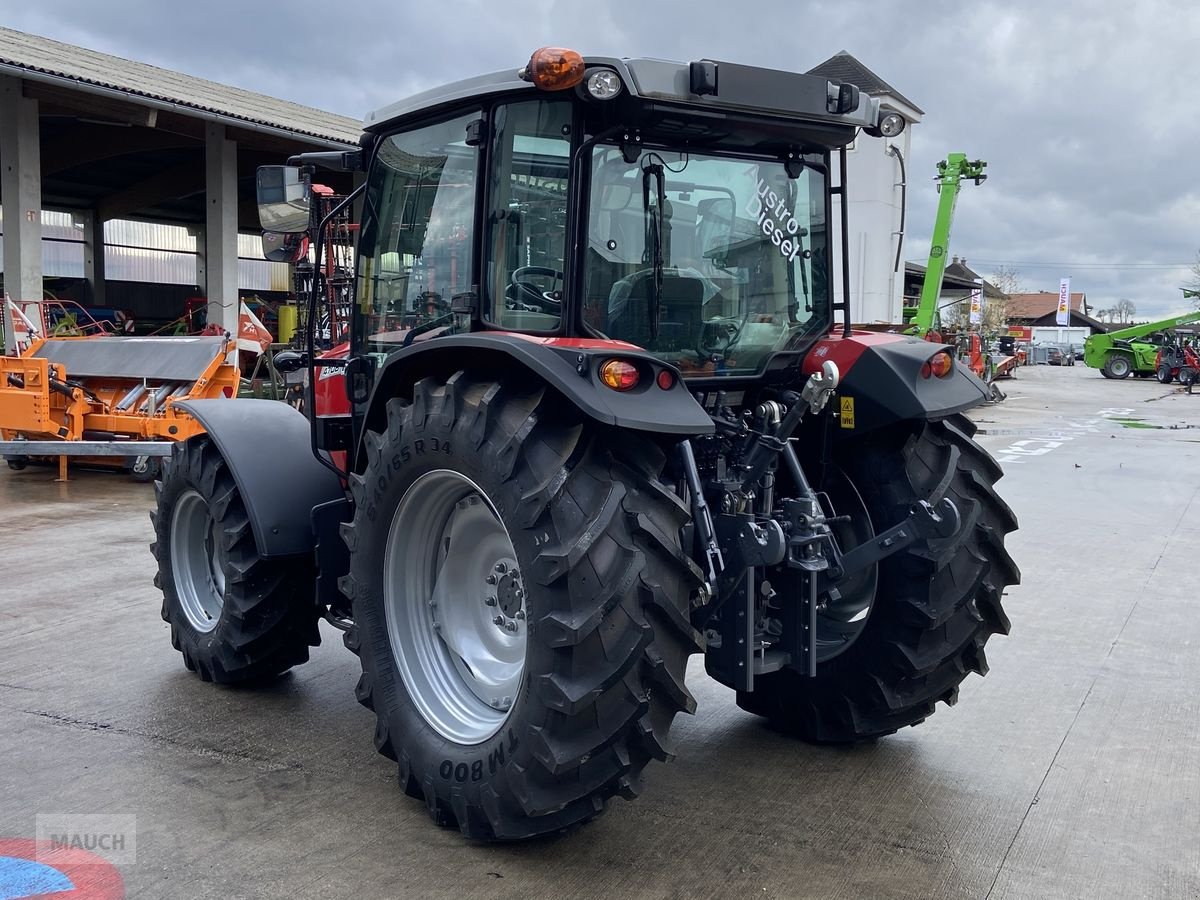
(93, 254)
(21, 186)
(220, 258)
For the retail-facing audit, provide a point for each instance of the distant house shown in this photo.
(874, 175)
(958, 282)
(1041, 308)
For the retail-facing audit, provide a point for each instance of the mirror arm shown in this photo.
(335, 160)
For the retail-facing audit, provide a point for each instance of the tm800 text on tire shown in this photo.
(520, 603)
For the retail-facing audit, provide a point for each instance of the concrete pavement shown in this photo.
(1072, 770)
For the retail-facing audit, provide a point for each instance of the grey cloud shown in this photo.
(1082, 109)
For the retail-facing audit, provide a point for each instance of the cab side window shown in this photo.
(527, 214)
(417, 246)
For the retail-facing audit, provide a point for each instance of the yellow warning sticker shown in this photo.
(847, 416)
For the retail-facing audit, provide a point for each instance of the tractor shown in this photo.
(597, 413)
(1177, 360)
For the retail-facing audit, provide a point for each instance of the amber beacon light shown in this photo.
(554, 69)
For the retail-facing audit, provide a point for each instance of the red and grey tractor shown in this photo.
(596, 413)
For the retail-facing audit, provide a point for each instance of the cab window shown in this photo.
(527, 214)
(416, 246)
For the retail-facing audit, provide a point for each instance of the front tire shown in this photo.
(934, 609)
(1164, 375)
(587, 549)
(233, 615)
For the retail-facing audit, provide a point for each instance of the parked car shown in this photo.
(1054, 356)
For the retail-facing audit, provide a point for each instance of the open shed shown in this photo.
(106, 139)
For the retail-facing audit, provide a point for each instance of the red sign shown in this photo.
(1020, 332)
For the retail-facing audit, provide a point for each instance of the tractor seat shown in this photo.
(680, 311)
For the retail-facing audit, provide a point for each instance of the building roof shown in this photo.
(844, 67)
(1034, 306)
(958, 268)
(1076, 318)
(949, 279)
(38, 58)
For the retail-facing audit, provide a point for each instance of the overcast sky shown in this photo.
(1085, 111)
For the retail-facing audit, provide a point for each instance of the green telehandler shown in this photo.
(1117, 354)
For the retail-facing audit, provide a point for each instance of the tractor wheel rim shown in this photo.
(454, 603)
(197, 562)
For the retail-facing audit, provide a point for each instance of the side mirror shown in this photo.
(284, 199)
(280, 247)
(287, 361)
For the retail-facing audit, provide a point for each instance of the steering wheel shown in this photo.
(718, 335)
(522, 293)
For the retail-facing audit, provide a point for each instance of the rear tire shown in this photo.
(1117, 366)
(233, 615)
(605, 590)
(933, 611)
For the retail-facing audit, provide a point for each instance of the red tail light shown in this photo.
(619, 375)
(940, 365)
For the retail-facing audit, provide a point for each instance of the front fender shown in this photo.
(568, 365)
(267, 447)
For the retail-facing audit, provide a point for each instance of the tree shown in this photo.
(1125, 310)
(1008, 279)
(1191, 289)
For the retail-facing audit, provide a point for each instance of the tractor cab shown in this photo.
(684, 209)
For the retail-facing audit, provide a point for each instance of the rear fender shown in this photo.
(882, 383)
(569, 366)
(267, 447)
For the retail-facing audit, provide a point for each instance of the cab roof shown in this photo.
(725, 86)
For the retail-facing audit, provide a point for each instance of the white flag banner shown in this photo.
(1064, 303)
(976, 307)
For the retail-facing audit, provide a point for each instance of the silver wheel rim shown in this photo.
(454, 604)
(197, 562)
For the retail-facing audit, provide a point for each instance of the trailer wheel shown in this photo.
(933, 610)
(1117, 366)
(233, 615)
(144, 469)
(520, 606)
(1164, 375)
(17, 463)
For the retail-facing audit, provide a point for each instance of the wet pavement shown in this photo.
(1071, 770)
